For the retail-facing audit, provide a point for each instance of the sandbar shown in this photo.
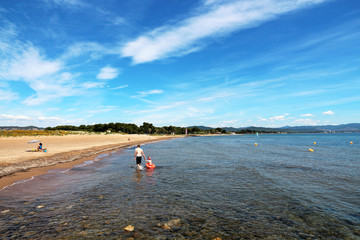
(62, 152)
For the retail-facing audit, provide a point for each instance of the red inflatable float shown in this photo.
(149, 164)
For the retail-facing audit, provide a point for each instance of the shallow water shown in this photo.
(222, 186)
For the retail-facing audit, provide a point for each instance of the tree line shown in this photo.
(148, 128)
(130, 128)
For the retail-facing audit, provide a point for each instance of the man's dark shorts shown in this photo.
(138, 160)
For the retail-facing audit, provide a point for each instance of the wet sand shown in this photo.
(62, 152)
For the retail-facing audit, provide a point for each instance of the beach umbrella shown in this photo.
(34, 141)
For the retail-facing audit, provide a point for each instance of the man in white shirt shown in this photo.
(137, 155)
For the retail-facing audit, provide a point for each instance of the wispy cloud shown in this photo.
(24, 62)
(218, 95)
(52, 88)
(150, 92)
(69, 3)
(107, 73)
(92, 49)
(45, 76)
(6, 95)
(102, 109)
(157, 109)
(29, 65)
(307, 115)
(88, 85)
(119, 87)
(216, 20)
(175, 113)
(117, 20)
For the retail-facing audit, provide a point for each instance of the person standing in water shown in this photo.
(138, 154)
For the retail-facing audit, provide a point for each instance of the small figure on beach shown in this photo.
(137, 156)
(40, 147)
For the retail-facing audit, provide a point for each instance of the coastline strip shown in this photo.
(11, 173)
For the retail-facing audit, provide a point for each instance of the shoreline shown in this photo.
(19, 169)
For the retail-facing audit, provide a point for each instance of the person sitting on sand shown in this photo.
(40, 148)
(137, 155)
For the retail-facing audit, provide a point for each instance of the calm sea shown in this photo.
(202, 188)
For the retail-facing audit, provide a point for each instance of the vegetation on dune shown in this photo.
(129, 128)
(19, 133)
(121, 128)
(149, 128)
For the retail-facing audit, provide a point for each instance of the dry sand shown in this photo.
(62, 152)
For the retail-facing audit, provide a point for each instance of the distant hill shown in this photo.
(20, 128)
(201, 127)
(351, 127)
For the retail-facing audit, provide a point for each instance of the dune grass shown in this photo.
(20, 133)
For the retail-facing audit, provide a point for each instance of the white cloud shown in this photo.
(307, 122)
(263, 119)
(141, 95)
(277, 118)
(30, 65)
(328, 113)
(107, 73)
(307, 115)
(23, 62)
(218, 20)
(14, 117)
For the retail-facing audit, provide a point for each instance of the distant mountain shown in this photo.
(20, 128)
(202, 127)
(351, 127)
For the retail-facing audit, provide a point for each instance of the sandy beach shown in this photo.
(62, 152)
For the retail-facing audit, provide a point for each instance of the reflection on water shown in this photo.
(199, 190)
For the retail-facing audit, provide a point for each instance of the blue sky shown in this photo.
(216, 63)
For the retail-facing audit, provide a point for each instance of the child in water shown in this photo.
(149, 163)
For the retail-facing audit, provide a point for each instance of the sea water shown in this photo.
(202, 188)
